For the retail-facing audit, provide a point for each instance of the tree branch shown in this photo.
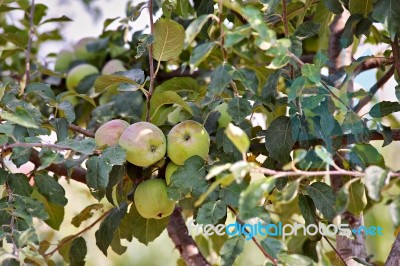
(374, 89)
(268, 256)
(396, 54)
(179, 234)
(394, 255)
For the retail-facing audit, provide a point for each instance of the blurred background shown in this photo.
(88, 17)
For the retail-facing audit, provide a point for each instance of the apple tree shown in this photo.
(220, 111)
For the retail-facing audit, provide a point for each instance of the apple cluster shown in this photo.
(145, 144)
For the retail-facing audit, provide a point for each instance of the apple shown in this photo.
(171, 167)
(110, 132)
(113, 66)
(81, 51)
(78, 73)
(109, 68)
(225, 118)
(151, 199)
(145, 144)
(187, 139)
(64, 59)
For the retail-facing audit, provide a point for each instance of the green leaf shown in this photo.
(248, 78)
(324, 154)
(68, 110)
(239, 109)
(312, 72)
(105, 233)
(168, 39)
(273, 246)
(194, 28)
(60, 125)
(238, 137)
(357, 198)
(85, 146)
(230, 194)
(200, 53)
(59, 19)
(86, 214)
(295, 259)
(55, 212)
(116, 245)
(144, 230)
(307, 30)
(43, 90)
(324, 198)
(181, 185)
(279, 139)
(296, 88)
(334, 6)
(182, 85)
(363, 7)
(384, 108)
(232, 248)
(353, 124)
(105, 81)
(19, 184)
(211, 212)
(145, 40)
(99, 167)
(375, 179)
(251, 196)
(220, 78)
(279, 61)
(166, 97)
(65, 95)
(20, 117)
(387, 12)
(51, 189)
(365, 155)
(77, 252)
(307, 209)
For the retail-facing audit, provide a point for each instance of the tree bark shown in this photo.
(394, 255)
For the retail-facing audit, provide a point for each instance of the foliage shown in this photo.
(243, 53)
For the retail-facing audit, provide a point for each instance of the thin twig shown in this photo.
(152, 76)
(396, 53)
(374, 89)
(268, 256)
(29, 48)
(35, 144)
(334, 249)
(68, 239)
(284, 18)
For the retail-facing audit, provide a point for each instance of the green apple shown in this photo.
(64, 59)
(110, 132)
(225, 118)
(81, 51)
(171, 167)
(151, 199)
(78, 73)
(109, 68)
(145, 144)
(113, 66)
(187, 139)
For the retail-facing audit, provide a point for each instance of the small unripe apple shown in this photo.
(145, 144)
(171, 167)
(64, 59)
(109, 68)
(225, 118)
(110, 132)
(187, 139)
(78, 73)
(113, 66)
(151, 199)
(81, 51)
